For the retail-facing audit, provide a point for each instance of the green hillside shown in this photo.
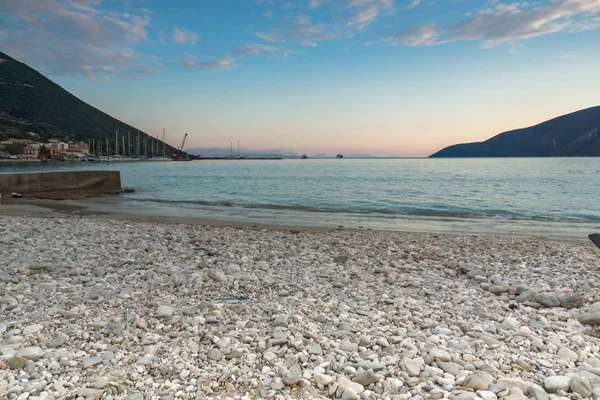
(30, 102)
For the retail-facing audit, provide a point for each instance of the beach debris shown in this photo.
(232, 299)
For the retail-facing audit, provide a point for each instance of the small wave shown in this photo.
(381, 212)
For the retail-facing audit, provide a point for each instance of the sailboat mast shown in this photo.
(164, 144)
(129, 144)
(116, 143)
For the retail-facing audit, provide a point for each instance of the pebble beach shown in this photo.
(96, 308)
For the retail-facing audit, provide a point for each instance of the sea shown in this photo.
(547, 197)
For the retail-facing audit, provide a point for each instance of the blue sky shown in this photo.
(385, 77)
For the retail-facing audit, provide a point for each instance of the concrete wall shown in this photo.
(61, 185)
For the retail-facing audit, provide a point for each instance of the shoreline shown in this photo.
(117, 208)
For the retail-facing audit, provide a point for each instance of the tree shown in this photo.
(15, 149)
(44, 152)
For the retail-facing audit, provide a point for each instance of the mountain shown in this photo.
(34, 107)
(572, 135)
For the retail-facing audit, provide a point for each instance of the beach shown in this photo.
(101, 307)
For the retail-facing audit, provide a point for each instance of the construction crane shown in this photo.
(179, 155)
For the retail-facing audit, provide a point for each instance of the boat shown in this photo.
(339, 156)
(304, 156)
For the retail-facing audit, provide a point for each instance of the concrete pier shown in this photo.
(61, 185)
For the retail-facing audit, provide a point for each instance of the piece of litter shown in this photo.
(232, 299)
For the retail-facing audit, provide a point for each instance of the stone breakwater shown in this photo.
(99, 309)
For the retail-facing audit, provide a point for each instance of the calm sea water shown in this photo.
(504, 195)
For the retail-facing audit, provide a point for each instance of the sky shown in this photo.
(382, 77)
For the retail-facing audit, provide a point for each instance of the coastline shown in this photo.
(118, 208)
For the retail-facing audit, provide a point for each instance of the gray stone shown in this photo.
(291, 379)
(412, 368)
(91, 362)
(315, 349)
(341, 259)
(499, 289)
(555, 383)
(214, 354)
(90, 393)
(366, 378)
(478, 381)
(217, 275)
(591, 318)
(164, 312)
(547, 299)
(537, 392)
(572, 300)
(567, 354)
(450, 367)
(581, 386)
(31, 329)
(57, 341)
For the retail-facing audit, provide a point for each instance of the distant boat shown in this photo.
(339, 156)
(304, 156)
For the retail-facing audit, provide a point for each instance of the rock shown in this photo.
(450, 367)
(440, 355)
(164, 312)
(315, 349)
(31, 329)
(217, 276)
(141, 323)
(33, 353)
(412, 368)
(16, 363)
(572, 300)
(322, 379)
(581, 386)
(58, 341)
(135, 396)
(350, 394)
(101, 382)
(537, 392)
(90, 393)
(478, 381)
(547, 299)
(567, 354)
(499, 289)
(341, 259)
(555, 383)
(214, 354)
(92, 362)
(487, 395)
(350, 347)
(366, 378)
(591, 318)
(291, 379)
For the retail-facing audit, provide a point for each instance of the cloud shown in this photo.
(348, 18)
(423, 36)
(217, 64)
(246, 50)
(74, 37)
(502, 23)
(185, 36)
(415, 3)
(364, 12)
